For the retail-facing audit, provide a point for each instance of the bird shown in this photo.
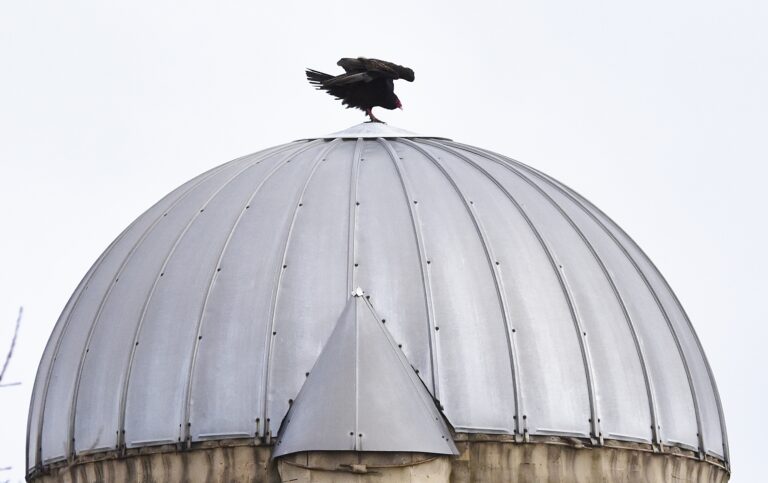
(365, 83)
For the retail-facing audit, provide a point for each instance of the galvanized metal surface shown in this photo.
(363, 395)
(374, 130)
(525, 309)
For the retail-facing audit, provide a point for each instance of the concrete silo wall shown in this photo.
(482, 459)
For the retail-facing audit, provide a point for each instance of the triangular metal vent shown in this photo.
(363, 395)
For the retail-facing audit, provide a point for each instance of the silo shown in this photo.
(375, 305)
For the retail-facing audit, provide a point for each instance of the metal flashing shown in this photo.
(363, 395)
(373, 130)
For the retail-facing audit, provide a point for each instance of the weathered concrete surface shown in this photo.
(495, 461)
(483, 458)
(208, 464)
(351, 467)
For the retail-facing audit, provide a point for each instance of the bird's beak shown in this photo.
(400, 107)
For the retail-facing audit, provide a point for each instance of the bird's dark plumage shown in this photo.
(366, 83)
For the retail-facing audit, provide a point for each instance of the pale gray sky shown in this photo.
(656, 111)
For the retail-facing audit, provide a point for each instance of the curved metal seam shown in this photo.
(561, 278)
(357, 442)
(434, 347)
(71, 304)
(582, 202)
(353, 187)
(83, 287)
(270, 335)
(209, 289)
(650, 394)
(42, 386)
(609, 279)
(497, 281)
(119, 272)
(137, 333)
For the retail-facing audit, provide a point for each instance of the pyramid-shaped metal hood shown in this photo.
(363, 395)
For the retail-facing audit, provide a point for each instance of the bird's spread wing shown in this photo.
(350, 78)
(376, 68)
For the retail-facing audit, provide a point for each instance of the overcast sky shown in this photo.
(657, 111)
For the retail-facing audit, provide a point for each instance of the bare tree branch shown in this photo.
(13, 343)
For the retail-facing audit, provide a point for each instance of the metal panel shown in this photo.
(622, 401)
(677, 414)
(706, 393)
(391, 263)
(476, 384)
(312, 283)
(45, 367)
(112, 338)
(363, 395)
(157, 214)
(552, 383)
(168, 327)
(56, 441)
(229, 357)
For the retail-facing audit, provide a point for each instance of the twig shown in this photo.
(13, 343)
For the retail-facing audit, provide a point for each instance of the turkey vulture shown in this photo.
(367, 83)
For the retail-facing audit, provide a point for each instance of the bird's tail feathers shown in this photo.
(317, 78)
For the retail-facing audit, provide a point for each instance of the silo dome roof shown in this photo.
(522, 307)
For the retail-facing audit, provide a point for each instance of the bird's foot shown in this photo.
(369, 112)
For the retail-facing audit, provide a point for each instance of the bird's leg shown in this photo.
(369, 112)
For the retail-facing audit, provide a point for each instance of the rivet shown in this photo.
(358, 203)
(584, 333)
(356, 264)
(437, 328)
(301, 204)
(360, 435)
(429, 262)
(202, 210)
(383, 321)
(306, 374)
(497, 262)
(368, 297)
(417, 371)
(514, 330)
(247, 206)
(351, 433)
(285, 266)
(274, 333)
(471, 202)
(218, 269)
(199, 337)
(162, 273)
(400, 346)
(415, 202)
(165, 214)
(137, 342)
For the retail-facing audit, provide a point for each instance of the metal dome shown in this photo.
(524, 309)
